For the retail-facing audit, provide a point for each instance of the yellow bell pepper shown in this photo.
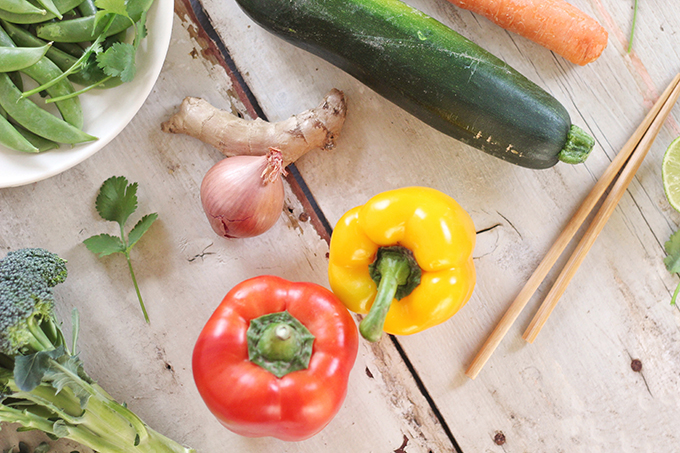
(405, 259)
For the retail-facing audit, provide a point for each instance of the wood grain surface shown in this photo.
(572, 390)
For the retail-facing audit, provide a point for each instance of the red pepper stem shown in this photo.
(395, 270)
(279, 343)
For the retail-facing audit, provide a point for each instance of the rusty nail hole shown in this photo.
(499, 438)
(368, 373)
(303, 217)
(328, 255)
(404, 443)
(636, 365)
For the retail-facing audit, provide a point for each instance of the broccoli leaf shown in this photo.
(104, 244)
(117, 200)
(29, 370)
(140, 228)
(64, 372)
(118, 61)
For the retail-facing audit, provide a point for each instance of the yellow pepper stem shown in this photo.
(397, 274)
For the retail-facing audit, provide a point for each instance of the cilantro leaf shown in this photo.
(142, 226)
(104, 244)
(118, 61)
(672, 259)
(116, 201)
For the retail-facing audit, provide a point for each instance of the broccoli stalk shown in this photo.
(42, 383)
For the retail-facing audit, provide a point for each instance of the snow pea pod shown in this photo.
(82, 29)
(45, 70)
(88, 75)
(15, 58)
(12, 139)
(39, 143)
(35, 119)
(20, 7)
(35, 18)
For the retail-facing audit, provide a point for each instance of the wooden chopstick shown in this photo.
(596, 226)
(567, 234)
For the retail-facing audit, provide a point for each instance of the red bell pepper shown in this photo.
(275, 357)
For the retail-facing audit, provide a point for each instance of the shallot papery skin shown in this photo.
(237, 200)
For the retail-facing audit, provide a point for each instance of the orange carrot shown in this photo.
(554, 24)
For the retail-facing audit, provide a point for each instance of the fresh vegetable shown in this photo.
(15, 58)
(101, 60)
(20, 7)
(554, 24)
(432, 72)
(274, 358)
(242, 196)
(43, 381)
(117, 200)
(405, 259)
(233, 136)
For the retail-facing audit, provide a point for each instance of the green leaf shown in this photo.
(117, 200)
(672, 246)
(112, 6)
(68, 377)
(29, 370)
(140, 228)
(104, 244)
(118, 61)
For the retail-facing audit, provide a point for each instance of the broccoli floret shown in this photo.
(26, 300)
(36, 365)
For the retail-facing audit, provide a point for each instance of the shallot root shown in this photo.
(314, 128)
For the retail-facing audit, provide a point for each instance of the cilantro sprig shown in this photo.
(117, 200)
(672, 259)
(116, 60)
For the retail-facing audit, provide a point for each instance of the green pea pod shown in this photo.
(36, 18)
(90, 74)
(87, 8)
(16, 58)
(12, 139)
(45, 70)
(20, 7)
(51, 7)
(83, 29)
(35, 119)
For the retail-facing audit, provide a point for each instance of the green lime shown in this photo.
(670, 173)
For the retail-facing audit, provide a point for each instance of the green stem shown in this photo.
(397, 275)
(134, 282)
(632, 28)
(279, 343)
(79, 92)
(578, 146)
(38, 341)
(675, 294)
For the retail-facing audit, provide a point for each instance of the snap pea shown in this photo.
(12, 139)
(39, 143)
(45, 70)
(15, 58)
(87, 8)
(83, 29)
(20, 7)
(35, 119)
(51, 7)
(90, 74)
(35, 18)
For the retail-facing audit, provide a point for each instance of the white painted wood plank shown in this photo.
(573, 390)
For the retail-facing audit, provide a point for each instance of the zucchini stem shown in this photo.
(578, 146)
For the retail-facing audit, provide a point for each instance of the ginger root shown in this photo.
(314, 128)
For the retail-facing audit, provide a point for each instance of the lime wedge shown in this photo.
(670, 173)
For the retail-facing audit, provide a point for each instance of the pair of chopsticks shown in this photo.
(627, 162)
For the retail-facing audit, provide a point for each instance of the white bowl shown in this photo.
(106, 111)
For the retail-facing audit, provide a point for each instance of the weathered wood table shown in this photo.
(572, 390)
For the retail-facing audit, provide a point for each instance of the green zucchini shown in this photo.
(432, 72)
